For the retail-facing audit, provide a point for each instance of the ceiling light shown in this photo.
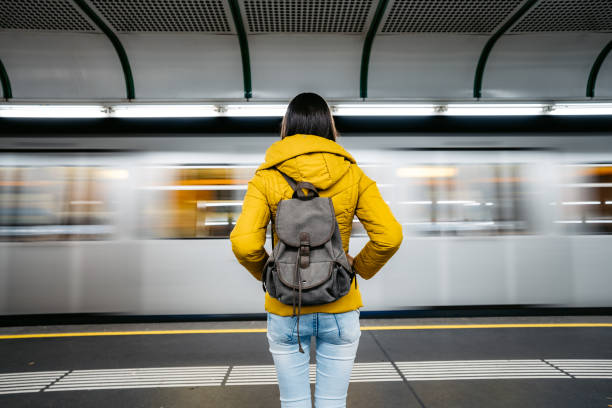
(494, 109)
(144, 110)
(162, 111)
(52, 111)
(384, 109)
(254, 110)
(581, 109)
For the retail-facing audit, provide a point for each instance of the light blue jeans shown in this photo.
(337, 337)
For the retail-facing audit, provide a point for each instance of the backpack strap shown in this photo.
(297, 187)
(290, 181)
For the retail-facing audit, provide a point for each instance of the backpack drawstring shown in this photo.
(298, 278)
(299, 310)
(295, 277)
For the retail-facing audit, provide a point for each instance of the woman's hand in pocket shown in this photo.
(350, 259)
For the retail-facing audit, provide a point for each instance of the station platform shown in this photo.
(563, 361)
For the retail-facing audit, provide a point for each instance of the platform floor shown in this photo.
(459, 362)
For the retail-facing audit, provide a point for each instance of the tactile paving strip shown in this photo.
(266, 374)
(34, 381)
(141, 378)
(200, 376)
(477, 370)
(585, 368)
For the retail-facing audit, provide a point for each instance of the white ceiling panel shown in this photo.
(43, 15)
(283, 66)
(447, 16)
(567, 15)
(543, 65)
(184, 65)
(310, 16)
(424, 66)
(209, 16)
(61, 65)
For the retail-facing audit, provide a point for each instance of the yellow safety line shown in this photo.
(211, 331)
(130, 333)
(485, 326)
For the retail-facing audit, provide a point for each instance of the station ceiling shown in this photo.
(270, 50)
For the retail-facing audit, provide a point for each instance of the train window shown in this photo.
(194, 201)
(585, 199)
(462, 199)
(201, 201)
(56, 202)
(204, 201)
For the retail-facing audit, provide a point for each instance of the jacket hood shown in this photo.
(311, 158)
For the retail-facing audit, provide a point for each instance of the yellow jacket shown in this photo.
(334, 172)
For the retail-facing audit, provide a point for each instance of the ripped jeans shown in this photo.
(337, 337)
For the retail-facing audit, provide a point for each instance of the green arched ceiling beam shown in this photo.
(244, 48)
(367, 47)
(6, 84)
(482, 61)
(595, 69)
(125, 63)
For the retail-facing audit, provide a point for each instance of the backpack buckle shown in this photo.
(304, 250)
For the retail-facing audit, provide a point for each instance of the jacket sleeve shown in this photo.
(249, 235)
(383, 229)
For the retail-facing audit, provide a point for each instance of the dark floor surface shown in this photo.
(246, 349)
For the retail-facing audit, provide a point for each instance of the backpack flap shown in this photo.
(315, 217)
(315, 274)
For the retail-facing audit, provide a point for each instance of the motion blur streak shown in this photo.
(144, 230)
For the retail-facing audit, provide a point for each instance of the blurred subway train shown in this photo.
(140, 225)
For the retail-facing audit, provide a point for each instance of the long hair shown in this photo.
(308, 113)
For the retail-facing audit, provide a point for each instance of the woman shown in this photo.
(308, 152)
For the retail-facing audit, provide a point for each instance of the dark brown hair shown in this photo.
(308, 113)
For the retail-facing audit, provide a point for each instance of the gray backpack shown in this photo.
(308, 265)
